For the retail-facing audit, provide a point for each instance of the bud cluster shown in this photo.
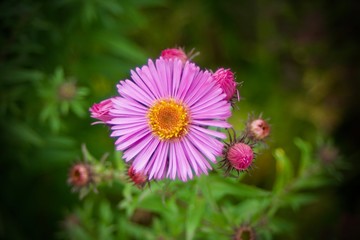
(239, 153)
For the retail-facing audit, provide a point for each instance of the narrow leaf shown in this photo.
(284, 170)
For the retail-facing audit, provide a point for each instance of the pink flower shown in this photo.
(101, 110)
(172, 53)
(225, 79)
(162, 117)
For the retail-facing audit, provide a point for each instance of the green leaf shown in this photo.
(296, 200)
(247, 210)
(78, 109)
(280, 225)
(310, 182)
(123, 47)
(105, 231)
(153, 203)
(306, 157)
(55, 124)
(195, 212)
(64, 107)
(284, 170)
(112, 6)
(105, 212)
(87, 155)
(58, 76)
(24, 132)
(77, 232)
(47, 112)
(19, 75)
(82, 91)
(89, 12)
(222, 187)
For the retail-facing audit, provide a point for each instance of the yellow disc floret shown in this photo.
(168, 119)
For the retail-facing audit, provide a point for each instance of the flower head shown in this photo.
(225, 78)
(138, 178)
(237, 155)
(101, 110)
(162, 117)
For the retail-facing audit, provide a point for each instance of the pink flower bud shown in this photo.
(172, 53)
(101, 110)
(244, 232)
(258, 129)
(240, 156)
(138, 178)
(225, 78)
(80, 175)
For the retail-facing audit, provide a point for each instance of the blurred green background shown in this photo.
(298, 62)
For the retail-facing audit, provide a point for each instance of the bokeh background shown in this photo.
(298, 62)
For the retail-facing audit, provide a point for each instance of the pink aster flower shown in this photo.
(225, 78)
(161, 119)
(100, 111)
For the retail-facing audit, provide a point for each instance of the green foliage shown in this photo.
(208, 207)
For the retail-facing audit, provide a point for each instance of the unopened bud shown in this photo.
(240, 156)
(258, 129)
(244, 233)
(138, 178)
(101, 111)
(174, 53)
(226, 80)
(80, 175)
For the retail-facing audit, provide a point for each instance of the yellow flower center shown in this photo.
(168, 119)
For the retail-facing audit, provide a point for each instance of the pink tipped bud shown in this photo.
(240, 156)
(80, 175)
(258, 129)
(225, 78)
(172, 53)
(244, 232)
(101, 110)
(138, 178)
